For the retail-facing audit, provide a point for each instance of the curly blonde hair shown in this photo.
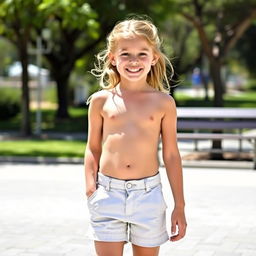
(108, 74)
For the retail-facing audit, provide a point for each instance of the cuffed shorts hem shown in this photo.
(152, 242)
(107, 237)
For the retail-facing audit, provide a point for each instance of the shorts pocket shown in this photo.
(92, 195)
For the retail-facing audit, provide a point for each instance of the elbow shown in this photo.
(171, 158)
(92, 151)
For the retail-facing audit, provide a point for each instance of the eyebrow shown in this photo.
(143, 49)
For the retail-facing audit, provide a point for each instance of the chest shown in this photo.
(138, 110)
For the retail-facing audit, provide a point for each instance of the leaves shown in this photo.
(71, 14)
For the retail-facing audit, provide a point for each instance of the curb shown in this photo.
(41, 160)
(218, 164)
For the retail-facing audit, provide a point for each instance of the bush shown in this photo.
(9, 104)
(251, 85)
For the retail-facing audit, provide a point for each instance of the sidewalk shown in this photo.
(43, 212)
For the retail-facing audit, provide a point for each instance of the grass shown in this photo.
(243, 100)
(45, 148)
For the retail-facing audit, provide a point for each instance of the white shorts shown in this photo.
(133, 210)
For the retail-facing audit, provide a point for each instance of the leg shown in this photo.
(109, 248)
(145, 251)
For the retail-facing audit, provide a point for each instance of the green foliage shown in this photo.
(180, 43)
(7, 56)
(246, 50)
(76, 123)
(9, 103)
(70, 15)
(251, 85)
(16, 14)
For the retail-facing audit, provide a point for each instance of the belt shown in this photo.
(145, 183)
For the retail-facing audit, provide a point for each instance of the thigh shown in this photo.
(148, 223)
(109, 248)
(106, 212)
(145, 251)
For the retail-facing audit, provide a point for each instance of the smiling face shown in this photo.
(133, 59)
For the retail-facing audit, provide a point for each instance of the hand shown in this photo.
(178, 219)
(89, 192)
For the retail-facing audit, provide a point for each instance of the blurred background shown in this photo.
(48, 47)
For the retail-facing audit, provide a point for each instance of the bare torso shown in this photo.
(130, 134)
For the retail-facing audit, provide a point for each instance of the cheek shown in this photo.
(146, 61)
(120, 62)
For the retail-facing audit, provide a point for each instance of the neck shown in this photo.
(128, 86)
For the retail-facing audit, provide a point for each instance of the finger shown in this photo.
(176, 238)
(173, 228)
(180, 235)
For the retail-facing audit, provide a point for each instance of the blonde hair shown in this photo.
(108, 74)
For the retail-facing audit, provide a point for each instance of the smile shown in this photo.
(134, 70)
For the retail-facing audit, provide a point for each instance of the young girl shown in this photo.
(126, 120)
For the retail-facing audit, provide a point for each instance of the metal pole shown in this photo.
(39, 85)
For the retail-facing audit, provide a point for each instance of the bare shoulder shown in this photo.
(99, 97)
(167, 101)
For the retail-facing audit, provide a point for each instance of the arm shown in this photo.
(93, 148)
(172, 161)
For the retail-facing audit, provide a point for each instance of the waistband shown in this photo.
(145, 183)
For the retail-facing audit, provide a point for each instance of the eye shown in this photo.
(143, 54)
(124, 54)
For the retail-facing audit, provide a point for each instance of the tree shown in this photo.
(182, 46)
(75, 32)
(220, 24)
(77, 28)
(17, 26)
(227, 25)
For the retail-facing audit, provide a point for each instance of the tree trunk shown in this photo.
(62, 93)
(205, 85)
(215, 69)
(25, 110)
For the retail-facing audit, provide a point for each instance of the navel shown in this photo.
(112, 117)
(151, 118)
(128, 165)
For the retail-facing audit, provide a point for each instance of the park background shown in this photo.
(48, 49)
(43, 119)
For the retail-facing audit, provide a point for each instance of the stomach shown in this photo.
(126, 157)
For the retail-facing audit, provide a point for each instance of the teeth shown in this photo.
(133, 70)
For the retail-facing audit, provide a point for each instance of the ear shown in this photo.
(111, 58)
(155, 60)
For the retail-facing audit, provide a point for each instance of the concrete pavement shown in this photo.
(43, 212)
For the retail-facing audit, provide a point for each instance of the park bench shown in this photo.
(229, 123)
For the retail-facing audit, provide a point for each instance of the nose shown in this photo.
(133, 59)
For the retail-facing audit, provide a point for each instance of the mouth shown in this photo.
(133, 70)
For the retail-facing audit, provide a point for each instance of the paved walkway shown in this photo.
(43, 212)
